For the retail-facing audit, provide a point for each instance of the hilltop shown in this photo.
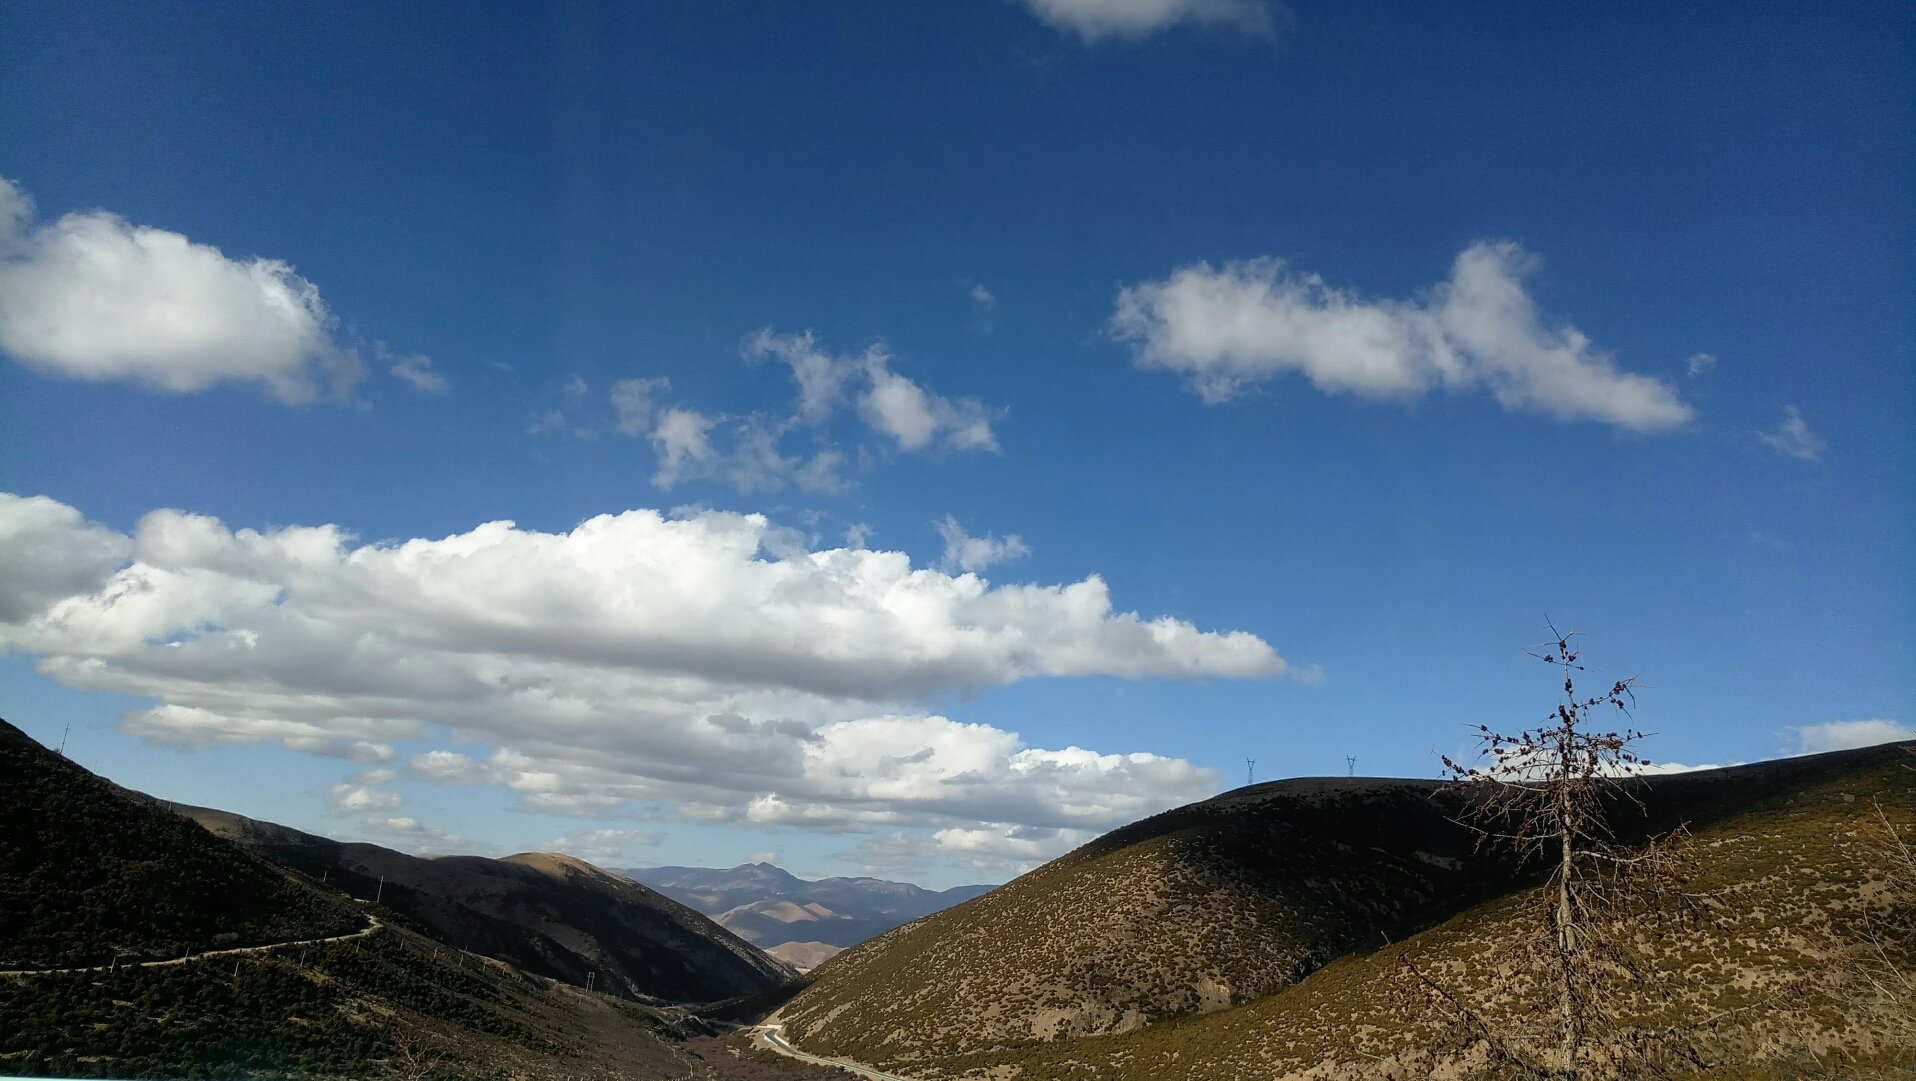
(547, 913)
(1258, 934)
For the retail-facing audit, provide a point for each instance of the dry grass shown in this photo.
(1789, 852)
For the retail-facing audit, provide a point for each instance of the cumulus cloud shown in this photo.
(1097, 20)
(1699, 364)
(1246, 323)
(708, 660)
(1847, 735)
(48, 551)
(965, 553)
(93, 296)
(1793, 437)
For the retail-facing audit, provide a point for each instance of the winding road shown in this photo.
(372, 924)
(770, 1037)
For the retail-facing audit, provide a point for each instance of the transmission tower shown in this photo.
(1250, 769)
(1350, 765)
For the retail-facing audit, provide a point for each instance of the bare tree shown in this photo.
(1545, 796)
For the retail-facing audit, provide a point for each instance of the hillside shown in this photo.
(101, 892)
(549, 914)
(87, 875)
(770, 907)
(1282, 900)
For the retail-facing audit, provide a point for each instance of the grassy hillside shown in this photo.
(550, 914)
(1797, 876)
(92, 875)
(83, 879)
(1196, 909)
(1278, 900)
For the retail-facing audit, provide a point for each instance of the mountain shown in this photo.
(770, 907)
(137, 944)
(1262, 933)
(549, 914)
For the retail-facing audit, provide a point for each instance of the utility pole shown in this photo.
(1250, 769)
(382, 889)
(1350, 765)
(62, 750)
(590, 977)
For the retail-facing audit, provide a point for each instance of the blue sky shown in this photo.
(1341, 344)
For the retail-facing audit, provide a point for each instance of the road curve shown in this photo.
(769, 1036)
(372, 924)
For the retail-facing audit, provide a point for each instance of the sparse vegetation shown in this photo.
(83, 882)
(1543, 795)
(1784, 846)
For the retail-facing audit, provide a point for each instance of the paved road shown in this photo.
(372, 924)
(770, 1036)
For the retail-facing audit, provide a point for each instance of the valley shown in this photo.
(1264, 933)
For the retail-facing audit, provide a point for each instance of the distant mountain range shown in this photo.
(800, 921)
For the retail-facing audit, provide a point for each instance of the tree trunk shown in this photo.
(1566, 940)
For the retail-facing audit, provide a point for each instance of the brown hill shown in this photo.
(1125, 958)
(550, 914)
(103, 893)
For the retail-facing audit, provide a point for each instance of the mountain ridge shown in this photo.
(549, 913)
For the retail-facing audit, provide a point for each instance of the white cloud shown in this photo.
(982, 299)
(600, 845)
(93, 296)
(821, 377)
(1699, 364)
(710, 661)
(633, 402)
(1793, 437)
(964, 552)
(1095, 20)
(857, 534)
(1247, 323)
(683, 440)
(891, 404)
(364, 751)
(1846, 735)
(547, 422)
(364, 797)
(48, 551)
(416, 371)
(917, 419)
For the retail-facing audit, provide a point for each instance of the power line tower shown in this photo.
(1250, 769)
(1350, 765)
